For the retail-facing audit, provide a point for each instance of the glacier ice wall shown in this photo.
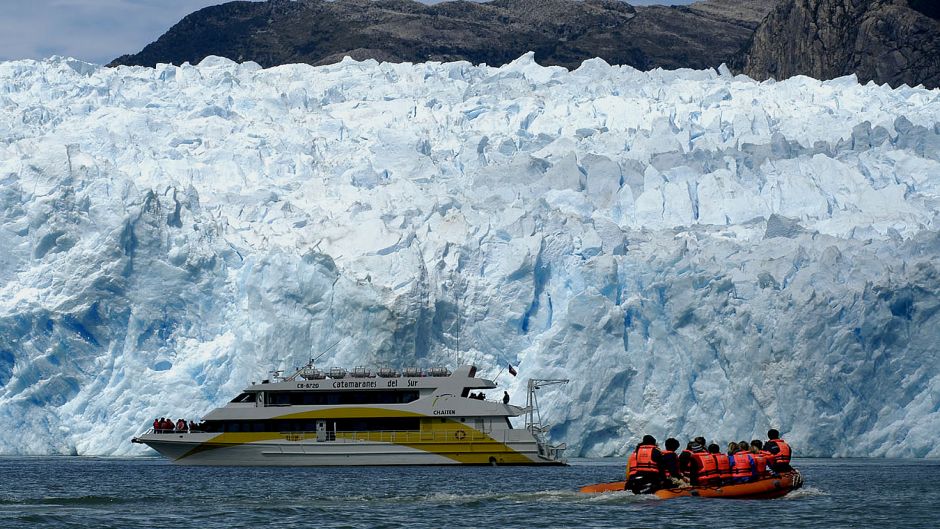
(697, 252)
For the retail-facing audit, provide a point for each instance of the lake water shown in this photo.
(149, 492)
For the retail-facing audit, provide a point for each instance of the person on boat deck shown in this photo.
(156, 425)
(722, 462)
(670, 460)
(762, 458)
(505, 397)
(180, 425)
(743, 467)
(780, 451)
(645, 473)
(685, 458)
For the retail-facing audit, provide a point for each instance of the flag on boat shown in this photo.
(512, 370)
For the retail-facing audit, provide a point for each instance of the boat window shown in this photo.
(334, 398)
(279, 399)
(310, 425)
(244, 397)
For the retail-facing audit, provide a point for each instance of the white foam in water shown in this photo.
(805, 492)
(698, 253)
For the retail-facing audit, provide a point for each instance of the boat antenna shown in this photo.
(457, 344)
(327, 350)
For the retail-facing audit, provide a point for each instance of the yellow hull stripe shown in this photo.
(469, 446)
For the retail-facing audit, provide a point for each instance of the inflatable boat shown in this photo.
(762, 489)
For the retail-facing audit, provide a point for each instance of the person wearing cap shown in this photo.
(696, 445)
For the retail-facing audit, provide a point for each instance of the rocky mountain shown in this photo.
(747, 13)
(887, 41)
(560, 32)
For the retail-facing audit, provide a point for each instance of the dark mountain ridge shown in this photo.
(888, 41)
(560, 32)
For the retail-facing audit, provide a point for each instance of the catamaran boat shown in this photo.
(335, 417)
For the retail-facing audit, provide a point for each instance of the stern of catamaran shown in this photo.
(533, 422)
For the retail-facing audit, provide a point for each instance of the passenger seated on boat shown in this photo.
(685, 458)
(743, 467)
(780, 450)
(670, 461)
(762, 458)
(645, 473)
(180, 425)
(704, 469)
(723, 463)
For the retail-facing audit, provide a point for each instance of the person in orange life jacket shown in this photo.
(156, 426)
(685, 458)
(645, 473)
(762, 458)
(723, 463)
(180, 425)
(780, 450)
(743, 467)
(705, 469)
(670, 461)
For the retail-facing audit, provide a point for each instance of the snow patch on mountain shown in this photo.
(699, 253)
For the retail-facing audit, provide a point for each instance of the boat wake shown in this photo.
(805, 492)
(546, 496)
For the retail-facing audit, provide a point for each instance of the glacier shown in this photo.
(699, 253)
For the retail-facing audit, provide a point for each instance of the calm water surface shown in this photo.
(130, 493)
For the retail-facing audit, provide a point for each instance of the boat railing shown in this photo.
(174, 430)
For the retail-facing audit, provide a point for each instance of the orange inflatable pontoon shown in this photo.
(763, 489)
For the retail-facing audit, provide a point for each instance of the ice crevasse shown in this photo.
(699, 253)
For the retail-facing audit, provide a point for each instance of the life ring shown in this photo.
(460, 435)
